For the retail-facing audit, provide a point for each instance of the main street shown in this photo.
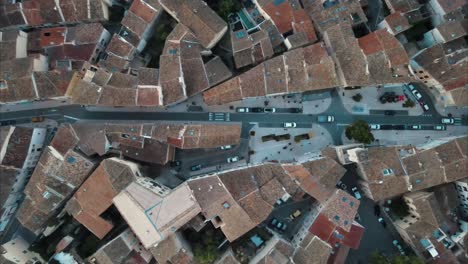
(72, 113)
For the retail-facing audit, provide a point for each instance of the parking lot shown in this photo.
(282, 214)
(371, 100)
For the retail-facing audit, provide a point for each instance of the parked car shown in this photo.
(416, 94)
(280, 201)
(295, 215)
(295, 110)
(356, 193)
(382, 221)
(374, 126)
(256, 109)
(448, 120)
(36, 119)
(196, 167)
(399, 247)
(357, 217)
(289, 124)
(269, 110)
(283, 227)
(242, 109)
(414, 127)
(175, 163)
(226, 147)
(233, 159)
(377, 210)
(439, 127)
(411, 87)
(389, 112)
(325, 119)
(273, 222)
(341, 185)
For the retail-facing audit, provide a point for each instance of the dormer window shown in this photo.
(387, 172)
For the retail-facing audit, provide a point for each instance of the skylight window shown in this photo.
(387, 172)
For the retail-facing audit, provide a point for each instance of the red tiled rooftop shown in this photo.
(370, 44)
(327, 231)
(282, 15)
(143, 10)
(302, 22)
(52, 36)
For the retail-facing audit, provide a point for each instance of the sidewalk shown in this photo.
(370, 100)
(287, 150)
(410, 137)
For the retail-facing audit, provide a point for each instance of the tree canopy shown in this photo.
(377, 258)
(359, 131)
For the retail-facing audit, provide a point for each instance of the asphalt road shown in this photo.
(71, 113)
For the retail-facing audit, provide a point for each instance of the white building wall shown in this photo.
(23, 175)
(462, 189)
(16, 251)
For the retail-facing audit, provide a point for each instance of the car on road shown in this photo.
(289, 124)
(226, 147)
(233, 159)
(242, 109)
(269, 110)
(356, 193)
(295, 215)
(389, 112)
(325, 119)
(414, 127)
(439, 127)
(448, 120)
(416, 94)
(256, 109)
(382, 221)
(425, 107)
(411, 87)
(377, 210)
(295, 110)
(196, 167)
(374, 126)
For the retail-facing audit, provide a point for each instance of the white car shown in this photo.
(448, 120)
(374, 126)
(233, 159)
(269, 110)
(417, 94)
(289, 124)
(425, 107)
(356, 193)
(411, 87)
(226, 147)
(243, 110)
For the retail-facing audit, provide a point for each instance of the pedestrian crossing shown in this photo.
(219, 117)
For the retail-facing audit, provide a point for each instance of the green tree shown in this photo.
(226, 7)
(377, 258)
(357, 97)
(409, 103)
(206, 252)
(359, 131)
